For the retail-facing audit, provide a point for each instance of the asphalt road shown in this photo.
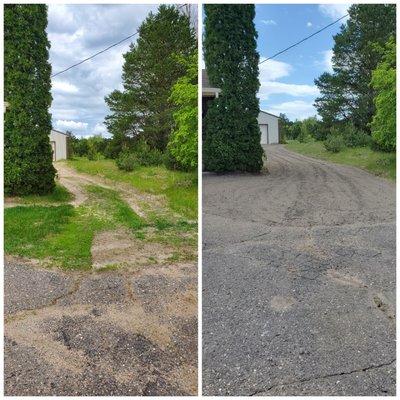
(298, 280)
(126, 332)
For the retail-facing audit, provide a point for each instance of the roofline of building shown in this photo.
(266, 112)
(63, 133)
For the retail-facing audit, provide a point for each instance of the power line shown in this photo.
(303, 40)
(103, 51)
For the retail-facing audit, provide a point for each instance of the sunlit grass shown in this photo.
(377, 162)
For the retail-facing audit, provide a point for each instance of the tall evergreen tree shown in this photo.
(346, 94)
(231, 131)
(28, 164)
(143, 109)
(383, 124)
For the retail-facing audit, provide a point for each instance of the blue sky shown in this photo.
(287, 82)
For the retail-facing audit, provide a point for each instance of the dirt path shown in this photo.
(140, 202)
(298, 280)
(130, 331)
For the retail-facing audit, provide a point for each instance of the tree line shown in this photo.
(357, 102)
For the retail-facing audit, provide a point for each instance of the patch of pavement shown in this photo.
(298, 281)
(102, 337)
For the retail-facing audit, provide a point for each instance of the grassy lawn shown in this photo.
(180, 188)
(62, 235)
(376, 162)
(59, 195)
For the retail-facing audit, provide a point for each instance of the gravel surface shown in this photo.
(111, 333)
(298, 280)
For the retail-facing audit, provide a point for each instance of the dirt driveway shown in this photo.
(130, 331)
(298, 280)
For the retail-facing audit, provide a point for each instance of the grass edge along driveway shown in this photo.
(62, 236)
(376, 162)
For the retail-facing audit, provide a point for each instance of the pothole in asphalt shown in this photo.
(385, 306)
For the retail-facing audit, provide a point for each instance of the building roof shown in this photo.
(273, 115)
(63, 133)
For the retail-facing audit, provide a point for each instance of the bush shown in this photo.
(147, 156)
(334, 143)
(127, 161)
(295, 130)
(354, 137)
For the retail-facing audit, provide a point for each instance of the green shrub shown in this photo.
(334, 143)
(147, 156)
(127, 161)
(354, 137)
(294, 130)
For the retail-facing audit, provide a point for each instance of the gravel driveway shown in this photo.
(298, 280)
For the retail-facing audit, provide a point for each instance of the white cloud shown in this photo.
(297, 109)
(309, 24)
(268, 22)
(272, 69)
(64, 87)
(70, 124)
(334, 11)
(100, 129)
(270, 87)
(327, 60)
(77, 31)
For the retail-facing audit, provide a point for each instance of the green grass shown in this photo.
(62, 236)
(180, 188)
(376, 162)
(59, 195)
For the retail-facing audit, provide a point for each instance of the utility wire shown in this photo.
(103, 51)
(303, 40)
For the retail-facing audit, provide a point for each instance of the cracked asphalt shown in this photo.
(125, 332)
(298, 280)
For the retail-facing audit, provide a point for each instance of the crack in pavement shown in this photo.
(371, 367)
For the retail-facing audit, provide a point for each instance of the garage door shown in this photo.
(264, 134)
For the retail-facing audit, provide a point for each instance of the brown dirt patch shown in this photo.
(119, 247)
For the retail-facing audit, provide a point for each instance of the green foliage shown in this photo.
(28, 167)
(284, 128)
(231, 133)
(150, 70)
(183, 141)
(127, 161)
(334, 143)
(354, 137)
(346, 94)
(294, 130)
(141, 155)
(383, 81)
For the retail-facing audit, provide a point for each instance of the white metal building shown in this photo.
(58, 141)
(269, 127)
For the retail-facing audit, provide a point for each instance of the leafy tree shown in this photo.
(295, 130)
(151, 68)
(231, 131)
(183, 141)
(346, 94)
(28, 167)
(383, 81)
